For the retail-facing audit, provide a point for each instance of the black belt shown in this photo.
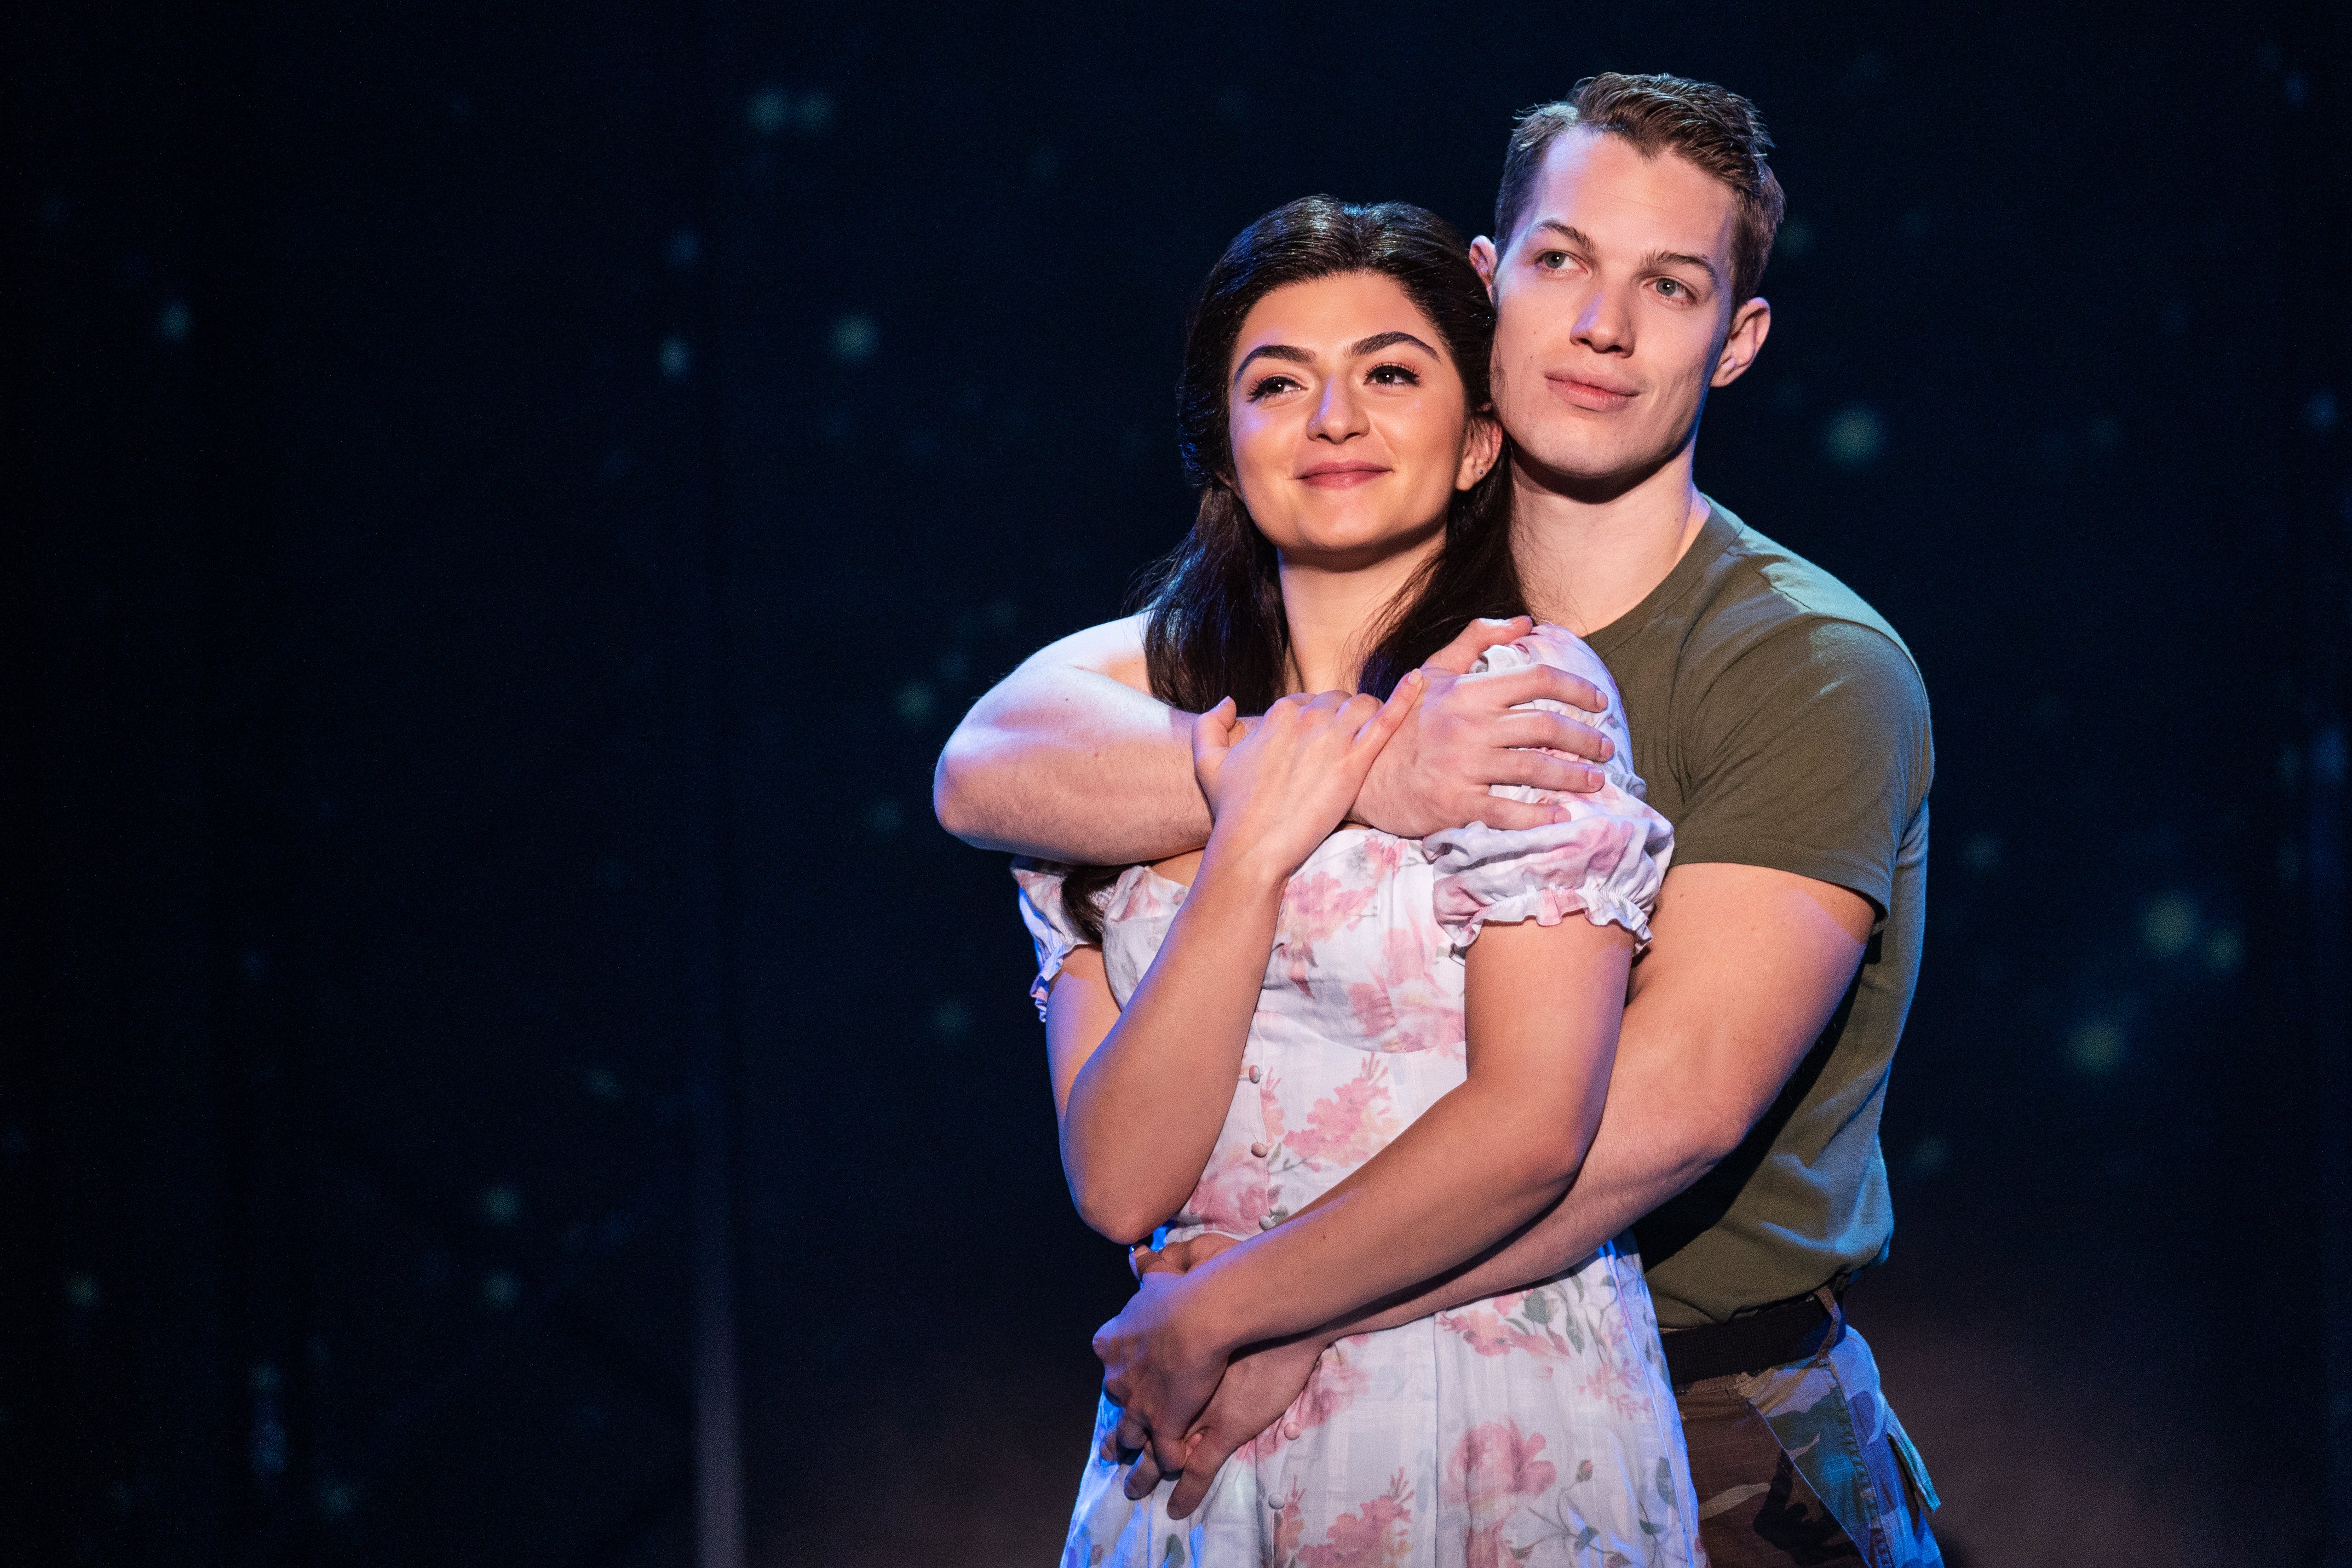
(1793, 1331)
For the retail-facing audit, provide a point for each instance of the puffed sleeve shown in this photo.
(1604, 862)
(1049, 926)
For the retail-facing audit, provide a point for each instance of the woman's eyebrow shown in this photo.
(1273, 352)
(1379, 341)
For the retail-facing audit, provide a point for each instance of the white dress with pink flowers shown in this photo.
(1535, 1428)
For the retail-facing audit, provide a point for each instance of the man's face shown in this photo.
(1614, 306)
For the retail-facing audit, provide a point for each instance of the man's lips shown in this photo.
(1602, 397)
(1341, 475)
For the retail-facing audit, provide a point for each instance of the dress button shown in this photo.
(1290, 1429)
(1256, 1072)
(1258, 1149)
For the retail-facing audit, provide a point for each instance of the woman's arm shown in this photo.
(1142, 1093)
(1543, 1008)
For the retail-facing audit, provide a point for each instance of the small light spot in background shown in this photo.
(1984, 852)
(2176, 317)
(171, 322)
(685, 249)
(1795, 240)
(949, 1019)
(675, 358)
(815, 112)
(953, 665)
(336, 1500)
(255, 963)
(1854, 437)
(499, 1290)
(1916, 223)
(767, 110)
(2319, 413)
(2290, 861)
(2105, 432)
(2224, 951)
(2327, 755)
(914, 701)
(2297, 89)
(501, 1205)
(118, 1498)
(1928, 1155)
(2096, 1047)
(265, 1378)
(1002, 613)
(2169, 924)
(855, 339)
(925, 445)
(1045, 163)
(82, 1290)
(601, 1083)
(1233, 103)
(884, 817)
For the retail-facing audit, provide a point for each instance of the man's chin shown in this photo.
(1585, 474)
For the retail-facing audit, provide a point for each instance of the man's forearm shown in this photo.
(1069, 765)
(1618, 1186)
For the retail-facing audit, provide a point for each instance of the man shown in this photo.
(1781, 725)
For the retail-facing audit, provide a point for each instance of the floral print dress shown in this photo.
(1533, 1428)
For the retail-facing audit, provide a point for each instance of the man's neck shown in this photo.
(1585, 562)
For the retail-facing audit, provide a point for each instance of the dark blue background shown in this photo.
(512, 500)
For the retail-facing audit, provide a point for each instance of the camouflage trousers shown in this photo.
(1806, 1465)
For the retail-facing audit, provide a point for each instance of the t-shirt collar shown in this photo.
(1715, 536)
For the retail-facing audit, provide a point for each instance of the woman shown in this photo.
(1233, 1032)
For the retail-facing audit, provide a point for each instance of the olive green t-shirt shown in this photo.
(1780, 722)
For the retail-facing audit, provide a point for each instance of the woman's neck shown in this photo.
(1334, 613)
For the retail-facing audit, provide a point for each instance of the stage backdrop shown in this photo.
(509, 502)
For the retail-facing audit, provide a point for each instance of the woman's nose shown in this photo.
(1338, 413)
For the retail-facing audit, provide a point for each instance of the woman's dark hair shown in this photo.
(1216, 627)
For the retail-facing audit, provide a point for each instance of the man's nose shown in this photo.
(1606, 325)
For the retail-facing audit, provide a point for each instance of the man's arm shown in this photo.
(1069, 758)
(1747, 967)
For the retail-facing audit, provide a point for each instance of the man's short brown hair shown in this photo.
(1717, 130)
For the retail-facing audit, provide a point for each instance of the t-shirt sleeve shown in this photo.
(1604, 862)
(1049, 927)
(1810, 753)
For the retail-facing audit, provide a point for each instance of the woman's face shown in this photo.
(1350, 427)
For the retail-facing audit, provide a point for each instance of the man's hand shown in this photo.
(1158, 1375)
(1471, 731)
(1259, 1386)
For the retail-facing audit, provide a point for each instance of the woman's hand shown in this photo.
(1279, 790)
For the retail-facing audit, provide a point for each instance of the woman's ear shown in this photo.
(1482, 448)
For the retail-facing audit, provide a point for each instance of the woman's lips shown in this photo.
(1588, 394)
(1341, 475)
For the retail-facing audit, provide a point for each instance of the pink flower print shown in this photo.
(1289, 1525)
(1233, 1195)
(1330, 1388)
(1494, 1467)
(1374, 1537)
(1401, 1008)
(1316, 908)
(1346, 1126)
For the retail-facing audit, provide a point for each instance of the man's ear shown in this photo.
(1483, 258)
(1483, 445)
(1750, 323)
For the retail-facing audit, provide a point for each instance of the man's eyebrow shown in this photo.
(1651, 262)
(1273, 352)
(1658, 258)
(1379, 341)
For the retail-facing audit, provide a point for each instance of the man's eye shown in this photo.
(1552, 260)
